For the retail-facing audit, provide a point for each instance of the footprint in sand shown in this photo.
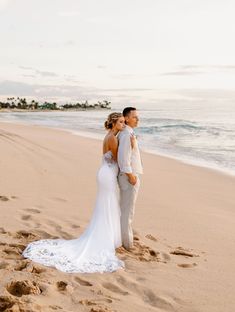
(87, 302)
(20, 288)
(10, 304)
(166, 257)
(35, 269)
(45, 235)
(58, 228)
(82, 282)
(96, 307)
(25, 235)
(60, 199)
(187, 265)
(11, 253)
(105, 297)
(180, 251)
(75, 226)
(55, 307)
(147, 295)
(33, 210)
(26, 217)
(3, 265)
(100, 309)
(151, 237)
(6, 302)
(21, 266)
(114, 288)
(28, 266)
(61, 285)
(21, 247)
(156, 301)
(2, 230)
(4, 198)
(95, 302)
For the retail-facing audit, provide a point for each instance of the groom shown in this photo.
(130, 166)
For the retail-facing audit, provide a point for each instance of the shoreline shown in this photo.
(6, 110)
(95, 136)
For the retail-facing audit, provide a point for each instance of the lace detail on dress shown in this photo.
(51, 253)
(108, 158)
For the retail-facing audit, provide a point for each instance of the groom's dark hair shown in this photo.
(127, 110)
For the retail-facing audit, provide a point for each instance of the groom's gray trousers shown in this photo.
(128, 196)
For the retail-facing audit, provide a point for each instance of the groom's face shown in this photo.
(132, 119)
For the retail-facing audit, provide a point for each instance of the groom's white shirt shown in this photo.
(129, 160)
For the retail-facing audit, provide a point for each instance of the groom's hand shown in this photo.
(132, 178)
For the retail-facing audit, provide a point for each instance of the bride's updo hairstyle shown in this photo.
(111, 120)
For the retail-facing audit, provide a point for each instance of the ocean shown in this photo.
(198, 134)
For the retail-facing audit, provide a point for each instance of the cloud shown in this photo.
(128, 90)
(69, 43)
(209, 67)
(182, 73)
(123, 76)
(3, 4)
(206, 94)
(101, 67)
(68, 14)
(46, 73)
(16, 88)
(72, 79)
(199, 95)
(99, 20)
(190, 70)
(39, 72)
(30, 76)
(25, 67)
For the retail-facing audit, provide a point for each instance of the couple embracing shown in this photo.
(111, 224)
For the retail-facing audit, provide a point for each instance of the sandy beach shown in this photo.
(184, 229)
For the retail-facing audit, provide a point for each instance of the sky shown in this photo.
(131, 52)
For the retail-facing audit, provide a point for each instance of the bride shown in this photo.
(94, 250)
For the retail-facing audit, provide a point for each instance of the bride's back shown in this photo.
(110, 143)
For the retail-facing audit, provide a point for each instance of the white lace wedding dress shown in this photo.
(94, 250)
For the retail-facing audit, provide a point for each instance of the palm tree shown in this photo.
(54, 105)
(106, 104)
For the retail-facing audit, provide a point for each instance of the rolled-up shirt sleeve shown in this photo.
(124, 153)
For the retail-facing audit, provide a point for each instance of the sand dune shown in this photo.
(183, 255)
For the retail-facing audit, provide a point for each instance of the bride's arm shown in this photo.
(113, 145)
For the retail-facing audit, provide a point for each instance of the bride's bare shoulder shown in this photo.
(110, 141)
(111, 138)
